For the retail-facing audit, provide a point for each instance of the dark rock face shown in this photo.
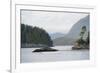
(45, 49)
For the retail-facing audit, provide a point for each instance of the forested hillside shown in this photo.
(34, 36)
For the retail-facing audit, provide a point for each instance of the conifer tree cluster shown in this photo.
(34, 35)
(81, 42)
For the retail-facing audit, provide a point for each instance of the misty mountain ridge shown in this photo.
(56, 35)
(74, 32)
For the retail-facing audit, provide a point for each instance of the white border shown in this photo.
(15, 39)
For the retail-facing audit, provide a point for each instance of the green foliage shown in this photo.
(34, 35)
(80, 41)
(83, 30)
(83, 43)
(88, 39)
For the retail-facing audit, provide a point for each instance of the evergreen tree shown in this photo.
(88, 39)
(34, 35)
(83, 30)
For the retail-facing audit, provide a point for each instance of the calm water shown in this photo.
(65, 53)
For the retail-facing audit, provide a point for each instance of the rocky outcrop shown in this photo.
(45, 49)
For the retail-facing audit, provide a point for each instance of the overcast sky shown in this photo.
(52, 22)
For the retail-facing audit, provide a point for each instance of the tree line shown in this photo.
(34, 35)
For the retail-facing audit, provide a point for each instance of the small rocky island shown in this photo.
(45, 49)
(82, 43)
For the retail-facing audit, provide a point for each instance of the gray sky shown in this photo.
(52, 22)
